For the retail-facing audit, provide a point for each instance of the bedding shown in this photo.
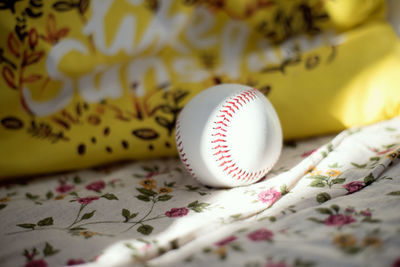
(329, 201)
(85, 82)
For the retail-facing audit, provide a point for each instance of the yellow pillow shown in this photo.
(84, 83)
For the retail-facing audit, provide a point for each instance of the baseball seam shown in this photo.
(181, 149)
(220, 133)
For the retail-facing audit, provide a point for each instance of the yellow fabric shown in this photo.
(88, 82)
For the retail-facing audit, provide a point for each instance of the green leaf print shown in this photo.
(110, 196)
(46, 221)
(390, 129)
(174, 244)
(335, 166)
(323, 197)
(77, 228)
(335, 207)
(198, 207)
(317, 183)
(31, 197)
(318, 177)
(133, 215)
(316, 220)
(284, 189)
(127, 215)
(236, 247)
(164, 197)
(49, 250)
(171, 184)
(77, 180)
(324, 211)
(145, 229)
(148, 169)
(143, 198)
(338, 180)
(49, 195)
(360, 166)
(192, 188)
(147, 192)
(370, 220)
(394, 193)
(369, 179)
(236, 216)
(88, 215)
(302, 263)
(27, 225)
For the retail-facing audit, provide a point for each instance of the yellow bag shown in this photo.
(88, 82)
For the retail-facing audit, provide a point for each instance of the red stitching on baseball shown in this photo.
(220, 151)
(225, 162)
(219, 146)
(233, 170)
(219, 137)
(241, 98)
(238, 101)
(233, 104)
(220, 133)
(249, 95)
(181, 149)
(218, 140)
(219, 128)
(230, 105)
(224, 157)
(224, 118)
(226, 112)
(223, 123)
(230, 166)
(230, 108)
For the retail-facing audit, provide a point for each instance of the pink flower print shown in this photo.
(366, 213)
(383, 152)
(353, 186)
(75, 262)
(276, 264)
(269, 196)
(308, 153)
(177, 212)
(396, 263)
(29, 256)
(261, 235)
(283, 231)
(96, 186)
(151, 174)
(145, 247)
(349, 210)
(226, 241)
(86, 200)
(36, 263)
(339, 220)
(64, 188)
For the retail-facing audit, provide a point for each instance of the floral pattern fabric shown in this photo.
(83, 83)
(327, 202)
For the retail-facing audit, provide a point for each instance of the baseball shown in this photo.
(228, 135)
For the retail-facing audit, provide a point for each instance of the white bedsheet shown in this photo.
(338, 205)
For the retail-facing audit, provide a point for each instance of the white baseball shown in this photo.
(228, 135)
